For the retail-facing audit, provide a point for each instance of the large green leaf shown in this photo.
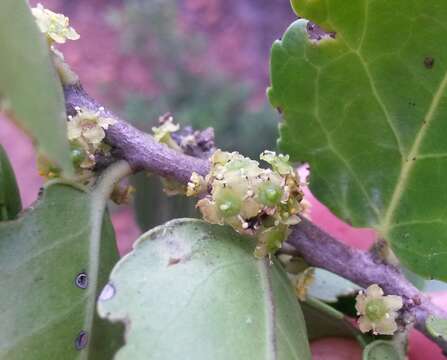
(29, 86)
(10, 203)
(367, 110)
(53, 260)
(191, 290)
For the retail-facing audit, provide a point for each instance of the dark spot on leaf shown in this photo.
(317, 33)
(81, 340)
(174, 261)
(107, 293)
(429, 62)
(414, 159)
(81, 280)
(279, 110)
(412, 103)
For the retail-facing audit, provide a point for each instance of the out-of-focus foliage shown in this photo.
(196, 95)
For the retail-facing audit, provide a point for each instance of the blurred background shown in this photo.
(205, 61)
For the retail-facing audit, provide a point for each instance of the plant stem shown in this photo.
(318, 248)
(364, 268)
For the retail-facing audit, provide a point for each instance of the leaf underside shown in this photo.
(437, 327)
(367, 111)
(191, 290)
(41, 255)
(30, 89)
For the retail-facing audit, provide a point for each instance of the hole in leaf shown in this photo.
(81, 340)
(429, 62)
(317, 33)
(81, 280)
(107, 293)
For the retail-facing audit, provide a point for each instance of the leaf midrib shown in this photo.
(407, 166)
(100, 194)
(270, 311)
(386, 222)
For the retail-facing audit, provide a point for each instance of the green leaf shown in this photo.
(322, 321)
(53, 260)
(193, 290)
(381, 350)
(10, 203)
(366, 109)
(30, 88)
(328, 286)
(437, 327)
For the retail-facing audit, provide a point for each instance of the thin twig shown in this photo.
(318, 248)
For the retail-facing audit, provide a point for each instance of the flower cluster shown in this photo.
(377, 312)
(162, 133)
(55, 26)
(254, 201)
(86, 133)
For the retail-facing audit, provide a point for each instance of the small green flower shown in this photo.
(280, 163)
(196, 185)
(56, 26)
(162, 133)
(77, 156)
(86, 131)
(377, 312)
(269, 194)
(254, 201)
(228, 202)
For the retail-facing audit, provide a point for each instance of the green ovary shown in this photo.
(228, 202)
(269, 194)
(77, 157)
(375, 309)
